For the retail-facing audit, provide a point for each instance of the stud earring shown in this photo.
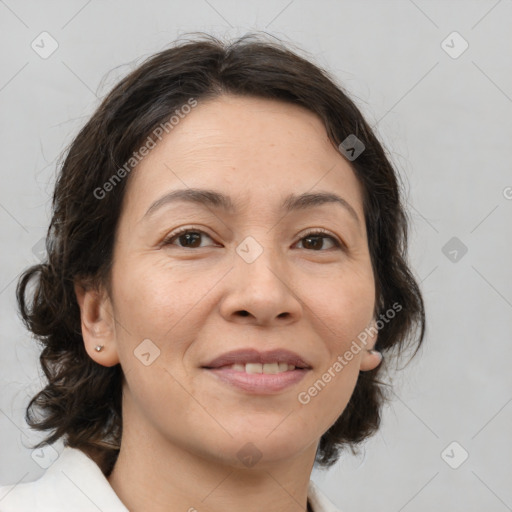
(98, 348)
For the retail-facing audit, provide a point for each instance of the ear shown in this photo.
(370, 359)
(98, 323)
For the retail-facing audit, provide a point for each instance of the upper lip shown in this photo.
(255, 356)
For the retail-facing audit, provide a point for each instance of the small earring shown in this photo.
(98, 348)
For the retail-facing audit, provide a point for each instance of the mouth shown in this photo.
(266, 368)
(257, 372)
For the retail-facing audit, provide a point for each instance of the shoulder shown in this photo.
(320, 502)
(73, 482)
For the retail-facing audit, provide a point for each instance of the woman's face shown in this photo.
(246, 278)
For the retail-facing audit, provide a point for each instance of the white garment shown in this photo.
(75, 483)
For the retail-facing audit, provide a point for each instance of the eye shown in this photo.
(315, 239)
(188, 236)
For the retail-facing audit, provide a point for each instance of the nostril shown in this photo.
(244, 313)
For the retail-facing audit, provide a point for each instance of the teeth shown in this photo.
(269, 368)
(254, 368)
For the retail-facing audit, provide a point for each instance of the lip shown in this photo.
(245, 356)
(258, 383)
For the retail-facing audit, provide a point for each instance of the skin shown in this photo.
(182, 428)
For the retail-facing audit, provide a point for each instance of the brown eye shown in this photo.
(315, 240)
(187, 238)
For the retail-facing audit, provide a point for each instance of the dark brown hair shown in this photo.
(82, 400)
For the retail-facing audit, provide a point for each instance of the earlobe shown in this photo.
(97, 324)
(370, 360)
(370, 357)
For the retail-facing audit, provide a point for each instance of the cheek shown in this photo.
(154, 397)
(154, 296)
(343, 306)
(342, 310)
(326, 394)
(165, 305)
(329, 394)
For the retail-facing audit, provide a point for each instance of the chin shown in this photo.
(267, 446)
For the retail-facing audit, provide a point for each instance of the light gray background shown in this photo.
(446, 123)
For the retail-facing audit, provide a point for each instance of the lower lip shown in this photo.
(259, 383)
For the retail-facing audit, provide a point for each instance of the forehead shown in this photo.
(256, 150)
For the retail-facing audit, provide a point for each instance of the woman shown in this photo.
(226, 270)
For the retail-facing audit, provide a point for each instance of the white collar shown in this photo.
(75, 482)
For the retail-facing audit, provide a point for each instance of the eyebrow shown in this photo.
(218, 200)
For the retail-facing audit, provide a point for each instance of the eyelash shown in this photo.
(318, 231)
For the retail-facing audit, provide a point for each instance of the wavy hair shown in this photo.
(82, 400)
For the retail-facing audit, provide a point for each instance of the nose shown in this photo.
(261, 293)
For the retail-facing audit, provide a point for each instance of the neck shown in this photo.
(170, 477)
